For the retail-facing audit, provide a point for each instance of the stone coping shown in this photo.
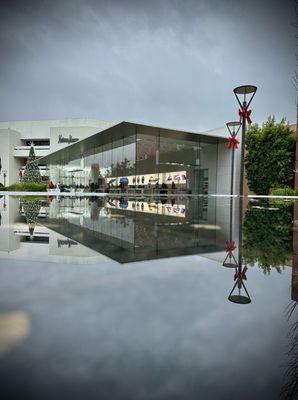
(95, 194)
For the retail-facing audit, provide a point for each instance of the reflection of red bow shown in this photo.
(240, 276)
(245, 113)
(233, 142)
(230, 246)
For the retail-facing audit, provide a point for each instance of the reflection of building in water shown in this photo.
(66, 242)
(130, 230)
(9, 215)
(23, 237)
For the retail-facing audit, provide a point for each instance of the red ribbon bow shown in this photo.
(244, 113)
(233, 142)
(240, 276)
(230, 246)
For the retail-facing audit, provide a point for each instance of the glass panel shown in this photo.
(179, 165)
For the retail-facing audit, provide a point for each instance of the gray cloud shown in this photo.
(172, 63)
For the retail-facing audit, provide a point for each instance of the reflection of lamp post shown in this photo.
(244, 114)
(4, 203)
(233, 127)
(4, 176)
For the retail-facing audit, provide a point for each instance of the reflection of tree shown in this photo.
(289, 389)
(31, 210)
(122, 168)
(268, 234)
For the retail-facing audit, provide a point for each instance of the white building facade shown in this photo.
(51, 136)
(47, 136)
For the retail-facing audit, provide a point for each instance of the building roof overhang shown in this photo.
(122, 130)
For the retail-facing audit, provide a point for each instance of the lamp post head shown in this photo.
(239, 299)
(245, 90)
(233, 127)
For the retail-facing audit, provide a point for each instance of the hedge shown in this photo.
(27, 187)
(270, 153)
(286, 191)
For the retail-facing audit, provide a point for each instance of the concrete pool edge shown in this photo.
(92, 194)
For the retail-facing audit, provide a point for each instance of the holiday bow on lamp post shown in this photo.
(230, 246)
(244, 113)
(233, 142)
(233, 128)
(230, 260)
(241, 276)
(242, 93)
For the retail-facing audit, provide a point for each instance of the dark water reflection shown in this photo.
(129, 299)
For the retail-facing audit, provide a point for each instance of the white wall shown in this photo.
(8, 240)
(8, 140)
(224, 160)
(41, 129)
(75, 132)
(13, 132)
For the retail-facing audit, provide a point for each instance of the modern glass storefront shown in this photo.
(137, 158)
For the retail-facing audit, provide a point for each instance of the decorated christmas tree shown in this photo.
(31, 173)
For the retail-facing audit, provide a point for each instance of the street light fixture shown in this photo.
(239, 297)
(242, 93)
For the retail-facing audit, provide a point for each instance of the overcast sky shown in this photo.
(172, 63)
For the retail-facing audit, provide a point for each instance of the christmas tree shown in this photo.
(31, 173)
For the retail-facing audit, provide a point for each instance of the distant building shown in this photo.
(92, 153)
(46, 136)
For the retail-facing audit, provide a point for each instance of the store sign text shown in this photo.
(68, 139)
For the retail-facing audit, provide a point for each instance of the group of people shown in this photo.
(163, 188)
(59, 186)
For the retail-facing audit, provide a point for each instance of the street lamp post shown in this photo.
(233, 128)
(244, 114)
(241, 93)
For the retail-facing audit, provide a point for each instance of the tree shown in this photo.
(270, 153)
(31, 173)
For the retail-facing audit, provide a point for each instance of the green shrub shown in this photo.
(2, 187)
(285, 191)
(28, 187)
(269, 160)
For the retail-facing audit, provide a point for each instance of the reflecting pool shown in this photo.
(148, 298)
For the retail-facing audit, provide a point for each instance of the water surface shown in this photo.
(122, 298)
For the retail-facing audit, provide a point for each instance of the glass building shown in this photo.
(135, 158)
